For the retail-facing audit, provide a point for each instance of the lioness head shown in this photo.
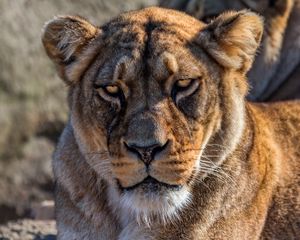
(151, 94)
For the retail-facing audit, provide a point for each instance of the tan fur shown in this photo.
(222, 168)
(275, 73)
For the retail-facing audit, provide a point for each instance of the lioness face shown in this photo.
(147, 99)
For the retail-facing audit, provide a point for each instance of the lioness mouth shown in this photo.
(152, 185)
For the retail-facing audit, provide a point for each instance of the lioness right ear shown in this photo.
(65, 39)
(232, 39)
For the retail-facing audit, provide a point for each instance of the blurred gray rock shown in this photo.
(43, 210)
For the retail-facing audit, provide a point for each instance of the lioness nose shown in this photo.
(146, 153)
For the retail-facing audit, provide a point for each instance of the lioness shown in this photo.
(161, 143)
(275, 74)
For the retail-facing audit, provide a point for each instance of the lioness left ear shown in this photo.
(232, 39)
(65, 39)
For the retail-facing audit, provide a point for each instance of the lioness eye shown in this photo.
(183, 83)
(183, 88)
(112, 93)
(112, 89)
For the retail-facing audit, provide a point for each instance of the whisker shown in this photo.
(220, 170)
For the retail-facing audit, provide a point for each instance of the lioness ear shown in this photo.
(65, 38)
(233, 38)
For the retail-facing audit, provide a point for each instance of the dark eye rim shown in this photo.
(186, 87)
(103, 87)
(120, 94)
(116, 94)
(176, 89)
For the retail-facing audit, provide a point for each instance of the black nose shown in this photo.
(146, 153)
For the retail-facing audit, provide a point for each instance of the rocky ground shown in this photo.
(41, 226)
(33, 107)
(28, 229)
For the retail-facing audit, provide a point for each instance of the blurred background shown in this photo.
(33, 99)
(33, 107)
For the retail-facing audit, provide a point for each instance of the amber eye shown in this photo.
(112, 90)
(183, 83)
(184, 88)
(112, 93)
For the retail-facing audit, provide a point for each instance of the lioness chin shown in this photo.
(161, 143)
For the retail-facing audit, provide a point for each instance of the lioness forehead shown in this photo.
(153, 37)
(153, 17)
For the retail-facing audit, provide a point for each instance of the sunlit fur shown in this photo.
(149, 208)
(218, 163)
